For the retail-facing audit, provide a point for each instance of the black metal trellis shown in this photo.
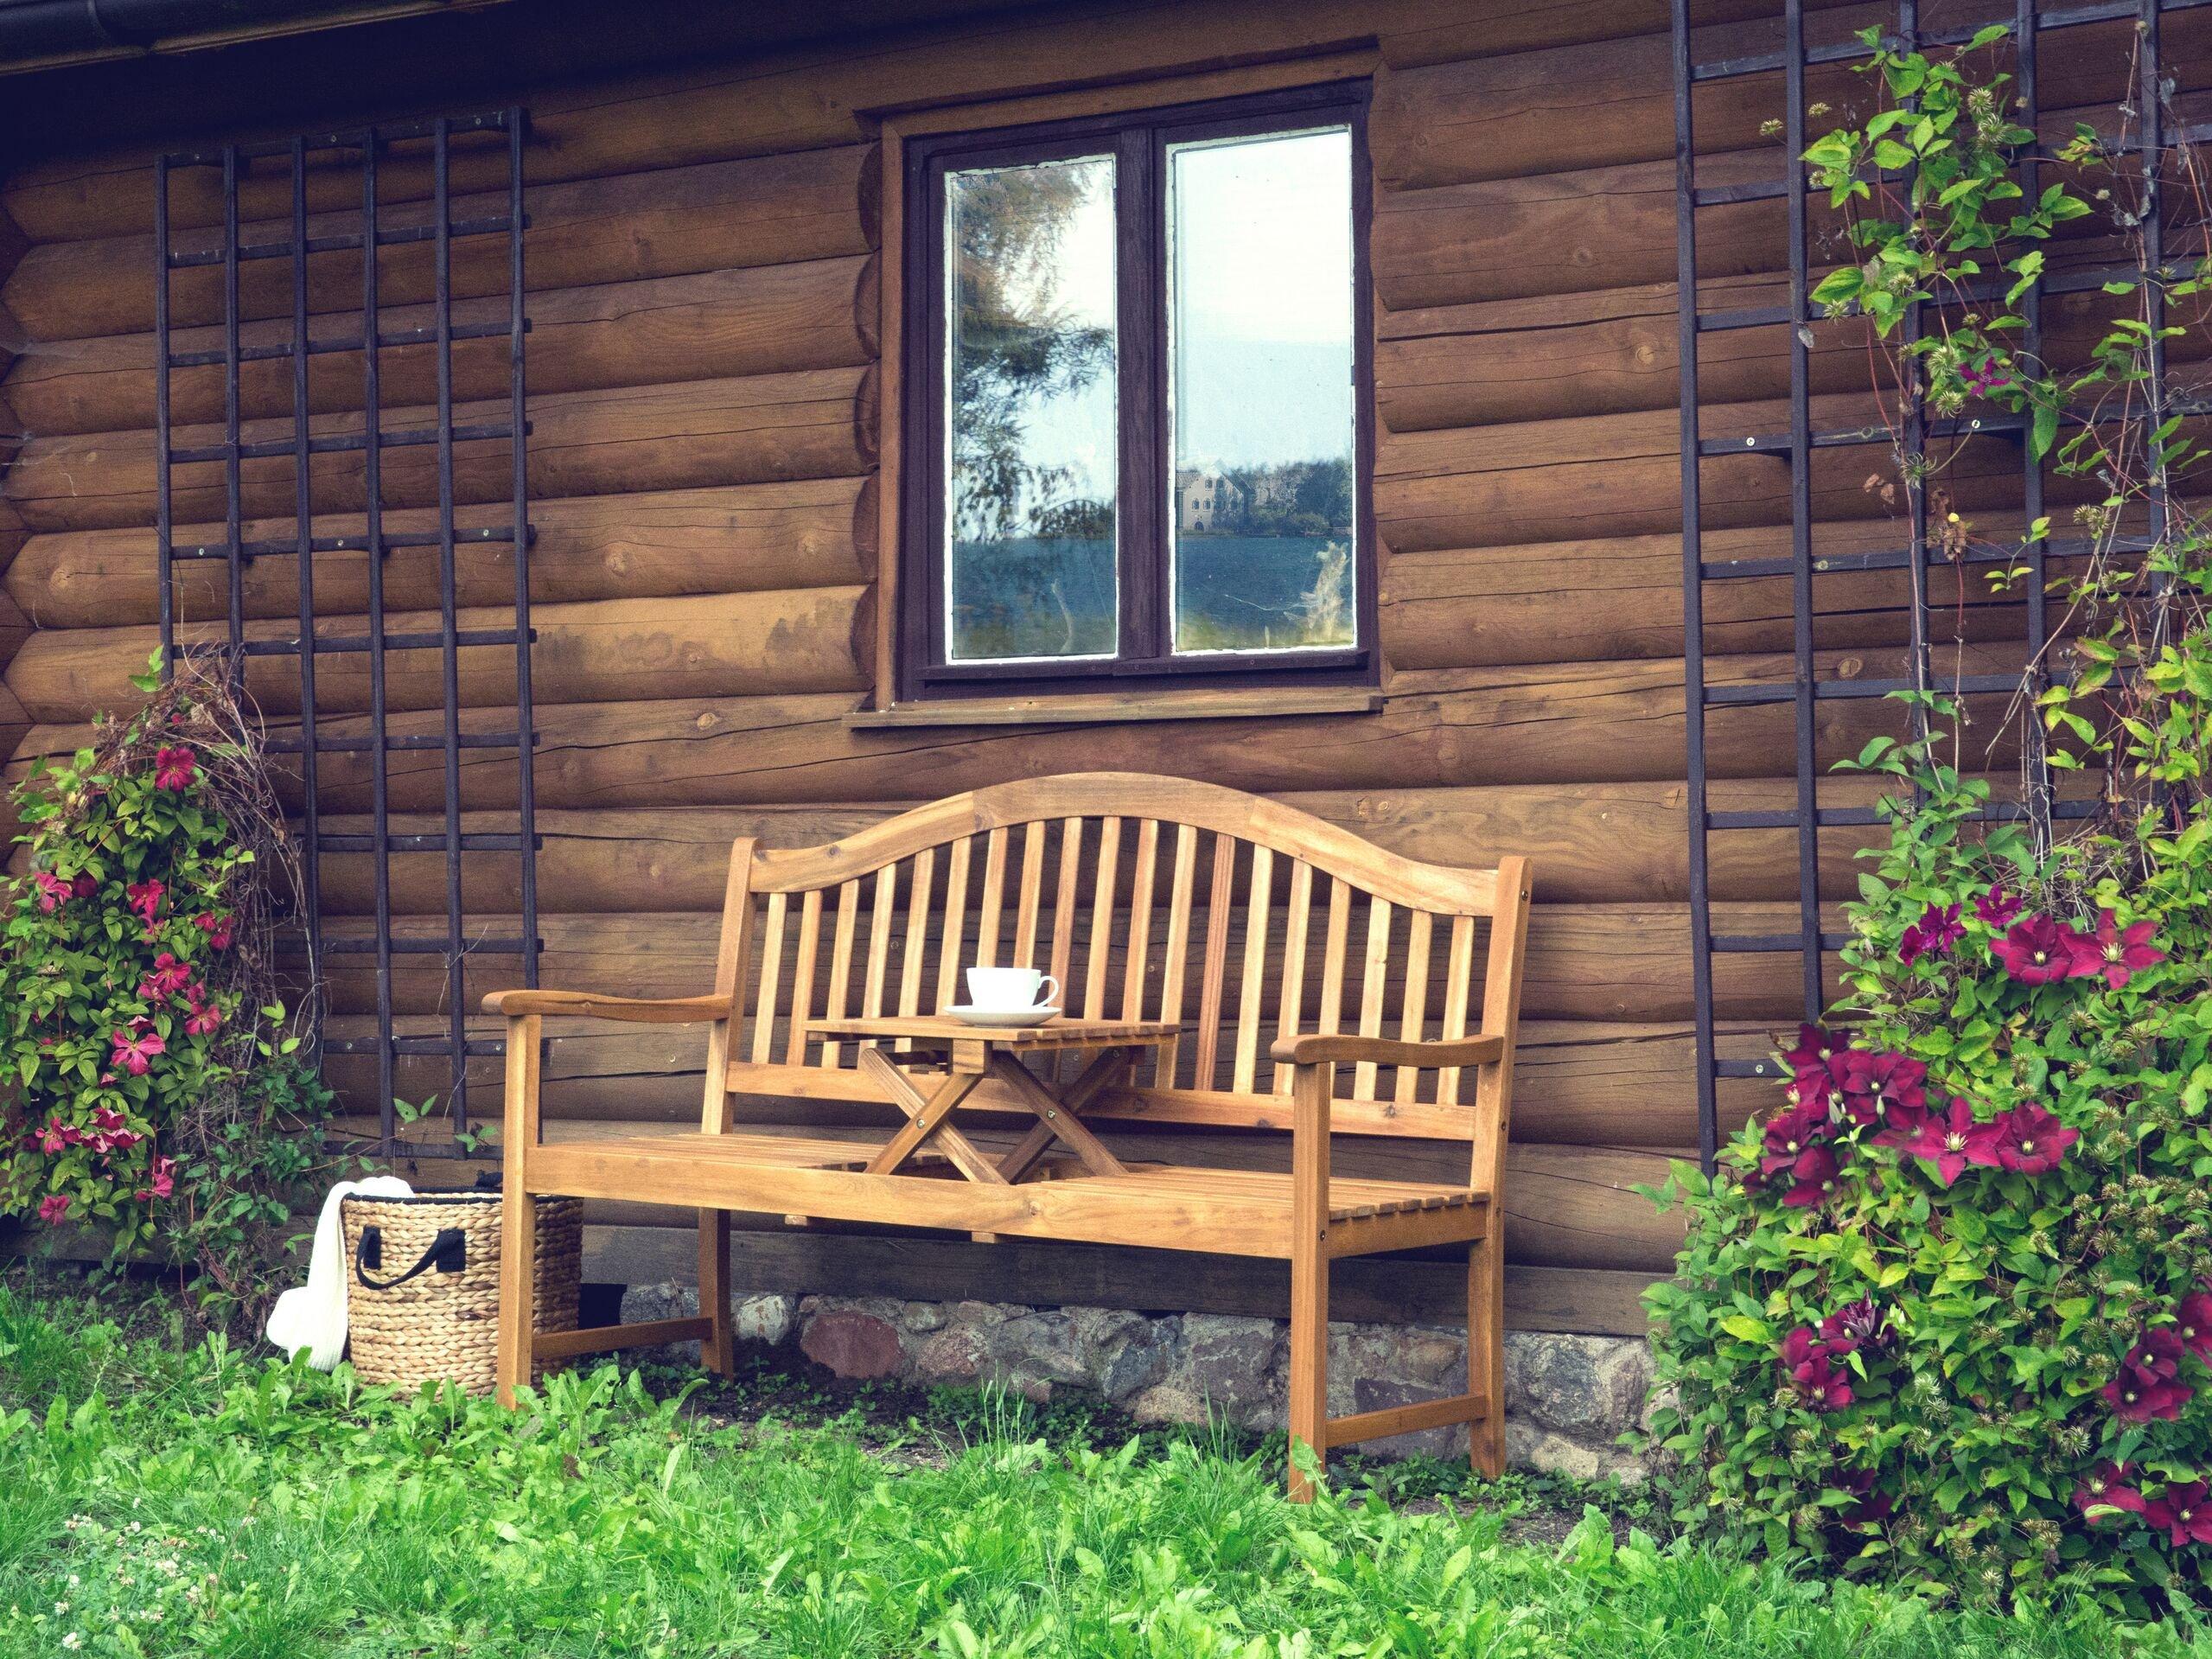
(1808, 688)
(238, 642)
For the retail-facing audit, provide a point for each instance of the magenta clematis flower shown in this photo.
(1873, 1085)
(1806, 1364)
(1792, 1133)
(145, 898)
(1854, 1326)
(2037, 951)
(1996, 908)
(2182, 1513)
(2030, 1141)
(1811, 1178)
(1937, 930)
(1952, 1139)
(53, 891)
(2106, 1493)
(2118, 953)
(2193, 1324)
(136, 1049)
(167, 978)
(1816, 1046)
(205, 1017)
(218, 929)
(2146, 1390)
(175, 769)
(164, 1181)
(53, 1208)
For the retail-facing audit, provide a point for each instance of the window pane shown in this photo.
(1262, 399)
(1031, 460)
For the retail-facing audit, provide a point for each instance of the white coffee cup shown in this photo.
(1006, 990)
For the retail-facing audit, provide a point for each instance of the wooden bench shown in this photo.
(1231, 968)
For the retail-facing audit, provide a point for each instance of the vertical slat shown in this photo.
(164, 537)
(234, 549)
(919, 886)
(1458, 979)
(1136, 961)
(519, 532)
(1029, 897)
(884, 908)
(1101, 940)
(1414, 1011)
(1693, 591)
(994, 899)
(373, 548)
(1256, 910)
(1373, 984)
(1063, 904)
(2036, 757)
(449, 626)
(771, 978)
(1220, 902)
(1176, 961)
(1501, 1018)
(1800, 517)
(1308, 1379)
(949, 988)
(848, 922)
(1335, 943)
(303, 551)
(732, 959)
(802, 976)
(1290, 1006)
(518, 1215)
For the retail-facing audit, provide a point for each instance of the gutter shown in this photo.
(53, 34)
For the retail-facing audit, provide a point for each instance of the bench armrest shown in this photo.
(1345, 1048)
(636, 1010)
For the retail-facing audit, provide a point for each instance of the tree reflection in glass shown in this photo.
(1032, 450)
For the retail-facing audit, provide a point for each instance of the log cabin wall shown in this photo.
(705, 259)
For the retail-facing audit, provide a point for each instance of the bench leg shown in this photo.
(518, 1288)
(1486, 1354)
(1309, 1361)
(716, 1352)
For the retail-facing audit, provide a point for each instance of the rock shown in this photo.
(856, 1346)
(767, 1320)
(1230, 1363)
(1591, 1388)
(1528, 1446)
(1381, 1393)
(642, 1303)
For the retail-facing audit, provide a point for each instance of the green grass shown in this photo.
(161, 1499)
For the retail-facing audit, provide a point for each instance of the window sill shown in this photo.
(1111, 708)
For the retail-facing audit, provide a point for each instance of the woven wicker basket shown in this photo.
(423, 1299)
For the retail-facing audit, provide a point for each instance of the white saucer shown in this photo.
(1003, 1017)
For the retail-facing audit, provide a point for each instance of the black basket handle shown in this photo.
(448, 1253)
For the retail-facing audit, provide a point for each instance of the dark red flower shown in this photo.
(218, 929)
(1816, 1046)
(1872, 1506)
(145, 897)
(1937, 930)
(53, 891)
(175, 769)
(2037, 951)
(2114, 951)
(136, 1049)
(84, 887)
(2107, 1491)
(1792, 1133)
(167, 978)
(53, 1208)
(1854, 1326)
(2182, 1513)
(1825, 1387)
(2030, 1141)
(205, 1016)
(1874, 1085)
(1952, 1139)
(2193, 1324)
(2145, 1390)
(1812, 1178)
(1902, 1127)
(1996, 908)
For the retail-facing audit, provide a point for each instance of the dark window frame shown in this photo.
(1138, 140)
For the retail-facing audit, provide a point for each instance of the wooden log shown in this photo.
(1609, 476)
(831, 93)
(1568, 722)
(1453, 35)
(795, 640)
(1615, 962)
(1375, 1291)
(1584, 1083)
(761, 429)
(672, 221)
(1497, 361)
(816, 534)
(1591, 842)
(756, 319)
(1469, 607)
(1499, 115)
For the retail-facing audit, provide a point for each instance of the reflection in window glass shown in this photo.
(1262, 394)
(1031, 449)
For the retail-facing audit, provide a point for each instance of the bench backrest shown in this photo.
(1234, 916)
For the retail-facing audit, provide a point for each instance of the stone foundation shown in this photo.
(1568, 1399)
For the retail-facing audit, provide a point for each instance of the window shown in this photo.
(1136, 400)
